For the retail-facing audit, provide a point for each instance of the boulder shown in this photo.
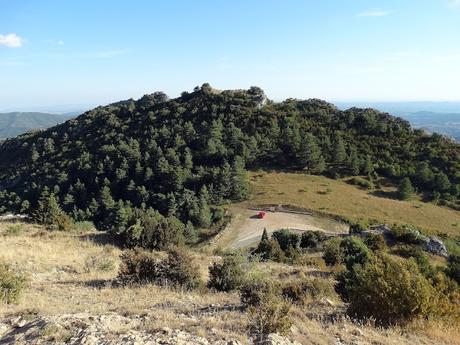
(435, 246)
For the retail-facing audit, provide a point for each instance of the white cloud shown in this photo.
(373, 13)
(11, 40)
(61, 42)
(454, 3)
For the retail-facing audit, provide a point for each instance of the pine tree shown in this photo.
(190, 234)
(264, 235)
(239, 185)
(405, 189)
(204, 216)
(49, 213)
(340, 153)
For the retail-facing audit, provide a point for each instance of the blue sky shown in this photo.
(87, 52)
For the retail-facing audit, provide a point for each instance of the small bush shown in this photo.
(252, 290)
(177, 269)
(333, 254)
(271, 315)
(354, 252)
(181, 270)
(375, 242)
(357, 228)
(268, 311)
(139, 267)
(312, 239)
(407, 234)
(361, 182)
(11, 283)
(286, 239)
(389, 291)
(13, 230)
(300, 292)
(313, 261)
(270, 250)
(419, 257)
(228, 275)
(453, 268)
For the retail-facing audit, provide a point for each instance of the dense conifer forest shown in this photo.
(172, 162)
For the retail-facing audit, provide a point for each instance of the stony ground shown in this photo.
(71, 300)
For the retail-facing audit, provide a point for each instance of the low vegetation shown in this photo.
(177, 269)
(12, 283)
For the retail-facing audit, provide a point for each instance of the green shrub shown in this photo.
(253, 289)
(11, 283)
(177, 269)
(407, 234)
(302, 291)
(361, 182)
(228, 275)
(181, 270)
(375, 242)
(270, 250)
(312, 239)
(313, 261)
(419, 257)
(218, 213)
(13, 230)
(268, 311)
(271, 315)
(453, 268)
(357, 228)
(354, 252)
(333, 254)
(139, 267)
(389, 291)
(286, 239)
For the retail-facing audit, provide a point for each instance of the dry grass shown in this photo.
(336, 197)
(69, 274)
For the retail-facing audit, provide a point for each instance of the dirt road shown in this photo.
(246, 229)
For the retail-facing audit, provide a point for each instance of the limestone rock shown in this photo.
(435, 246)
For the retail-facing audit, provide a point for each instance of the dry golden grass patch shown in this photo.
(69, 274)
(336, 197)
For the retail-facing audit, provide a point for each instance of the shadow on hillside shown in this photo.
(24, 333)
(385, 194)
(103, 238)
(93, 283)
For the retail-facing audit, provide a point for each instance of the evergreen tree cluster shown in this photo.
(175, 158)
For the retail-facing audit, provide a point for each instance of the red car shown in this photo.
(261, 215)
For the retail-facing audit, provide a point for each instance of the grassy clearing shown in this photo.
(336, 197)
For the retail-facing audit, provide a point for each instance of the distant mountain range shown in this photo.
(15, 123)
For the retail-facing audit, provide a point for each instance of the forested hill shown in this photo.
(179, 156)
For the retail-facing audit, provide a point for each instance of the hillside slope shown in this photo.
(339, 198)
(71, 300)
(179, 156)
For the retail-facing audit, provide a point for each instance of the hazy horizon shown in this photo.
(60, 53)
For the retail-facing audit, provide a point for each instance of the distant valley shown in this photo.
(16, 123)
